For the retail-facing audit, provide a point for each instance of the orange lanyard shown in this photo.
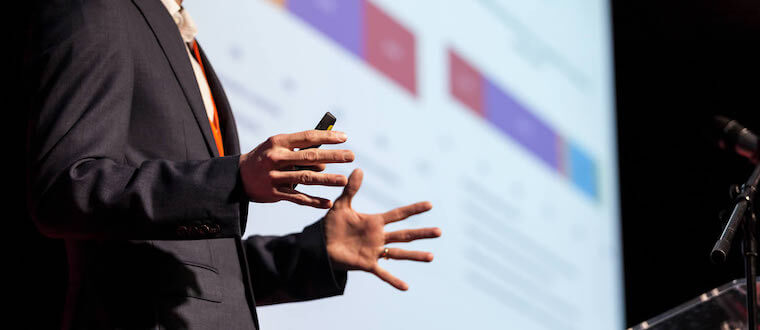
(215, 122)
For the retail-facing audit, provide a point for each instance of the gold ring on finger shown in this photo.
(384, 254)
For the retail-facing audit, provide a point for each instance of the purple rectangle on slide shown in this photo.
(341, 20)
(514, 119)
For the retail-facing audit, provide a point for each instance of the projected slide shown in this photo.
(489, 101)
(499, 112)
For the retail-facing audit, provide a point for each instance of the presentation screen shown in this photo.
(500, 113)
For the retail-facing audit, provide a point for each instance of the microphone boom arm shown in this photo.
(743, 216)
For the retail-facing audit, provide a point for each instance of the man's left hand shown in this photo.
(355, 241)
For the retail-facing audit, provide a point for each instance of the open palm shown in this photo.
(355, 241)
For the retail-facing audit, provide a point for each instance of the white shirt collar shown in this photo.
(184, 22)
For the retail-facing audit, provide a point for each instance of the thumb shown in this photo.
(354, 182)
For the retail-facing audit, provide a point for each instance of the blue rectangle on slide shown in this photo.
(582, 170)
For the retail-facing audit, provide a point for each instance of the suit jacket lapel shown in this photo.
(223, 109)
(168, 37)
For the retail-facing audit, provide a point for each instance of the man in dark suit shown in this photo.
(146, 184)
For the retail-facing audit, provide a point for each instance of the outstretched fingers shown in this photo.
(389, 278)
(300, 198)
(309, 138)
(401, 254)
(352, 187)
(311, 157)
(408, 235)
(307, 177)
(404, 212)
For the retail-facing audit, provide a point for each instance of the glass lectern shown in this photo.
(722, 308)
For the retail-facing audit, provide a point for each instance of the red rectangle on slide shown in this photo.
(466, 83)
(390, 48)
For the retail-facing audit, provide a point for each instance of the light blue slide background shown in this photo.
(522, 247)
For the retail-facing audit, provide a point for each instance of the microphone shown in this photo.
(737, 137)
(733, 136)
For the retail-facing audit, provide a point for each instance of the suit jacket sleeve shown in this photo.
(78, 83)
(292, 268)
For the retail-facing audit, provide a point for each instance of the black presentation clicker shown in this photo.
(325, 124)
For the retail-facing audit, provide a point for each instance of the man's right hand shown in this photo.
(267, 171)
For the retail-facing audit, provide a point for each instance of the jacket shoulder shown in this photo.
(90, 24)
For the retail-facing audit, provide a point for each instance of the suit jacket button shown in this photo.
(182, 231)
(215, 228)
(204, 229)
(195, 230)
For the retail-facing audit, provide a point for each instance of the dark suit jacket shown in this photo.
(123, 166)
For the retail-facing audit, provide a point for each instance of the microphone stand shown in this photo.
(743, 216)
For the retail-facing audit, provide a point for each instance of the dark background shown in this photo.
(677, 64)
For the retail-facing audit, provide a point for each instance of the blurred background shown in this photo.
(676, 64)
